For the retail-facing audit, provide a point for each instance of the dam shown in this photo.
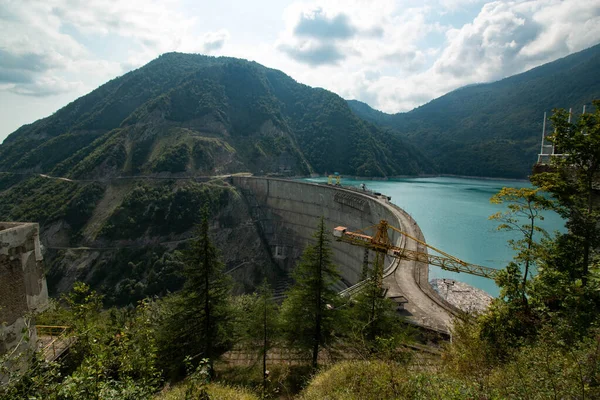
(288, 212)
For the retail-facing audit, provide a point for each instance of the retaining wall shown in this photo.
(23, 287)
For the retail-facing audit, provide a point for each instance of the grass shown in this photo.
(375, 380)
(214, 391)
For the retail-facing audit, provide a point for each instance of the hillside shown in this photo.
(180, 116)
(193, 114)
(494, 129)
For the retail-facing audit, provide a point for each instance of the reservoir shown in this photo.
(453, 215)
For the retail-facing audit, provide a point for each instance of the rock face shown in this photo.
(466, 297)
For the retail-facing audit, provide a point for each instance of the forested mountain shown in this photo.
(494, 129)
(180, 116)
(195, 114)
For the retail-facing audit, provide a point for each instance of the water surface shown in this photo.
(453, 215)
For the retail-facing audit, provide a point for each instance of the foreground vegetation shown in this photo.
(539, 339)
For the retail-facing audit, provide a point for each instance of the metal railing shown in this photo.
(54, 340)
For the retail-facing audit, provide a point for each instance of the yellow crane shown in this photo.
(381, 243)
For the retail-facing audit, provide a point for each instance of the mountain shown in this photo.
(103, 175)
(494, 129)
(192, 114)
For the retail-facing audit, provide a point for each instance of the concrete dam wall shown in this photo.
(288, 213)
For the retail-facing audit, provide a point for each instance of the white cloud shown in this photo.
(37, 57)
(213, 41)
(44, 86)
(393, 54)
(502, 39)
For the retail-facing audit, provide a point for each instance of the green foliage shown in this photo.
(159, 210)
(275, 125)
(114, 356)
(374, 327)
(561, 295)
(547, 367)
(81, 206)
(213, 390)
(549, 370)
(374, 380)
(263, 325)
(7, 180)
(311, 311)
(107, 158)
(53, 151)
(46, 200)
(140, 153)
(197, 321)
(524, 204)
(493, 129)
(35, 199)
(131, 275)
(173, 159)
(573, 180)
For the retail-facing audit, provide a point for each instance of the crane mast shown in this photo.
(381, 243)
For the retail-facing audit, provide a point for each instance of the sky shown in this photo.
(393, 55)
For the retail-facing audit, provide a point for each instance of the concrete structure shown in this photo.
(288, 213)
(23, 289)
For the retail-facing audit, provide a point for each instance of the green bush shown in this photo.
(376, 380)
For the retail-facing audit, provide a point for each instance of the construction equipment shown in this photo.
(335, 177)
(381, 243)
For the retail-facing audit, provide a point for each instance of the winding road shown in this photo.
(410, 279)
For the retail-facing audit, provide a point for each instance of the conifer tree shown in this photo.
(198, 320)
(263, 324)
(372, 315)
(310, 312)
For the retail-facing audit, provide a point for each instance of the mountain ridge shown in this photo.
(194, 114)
(493, 129)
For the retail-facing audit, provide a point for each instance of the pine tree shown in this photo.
(198, 320)
(372, 316)
(310, 311)
(263, 326)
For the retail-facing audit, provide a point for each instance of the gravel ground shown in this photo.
(464, 296)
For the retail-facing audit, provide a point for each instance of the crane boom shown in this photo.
(381, 243)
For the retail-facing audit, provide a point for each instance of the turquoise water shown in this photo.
(453, 215)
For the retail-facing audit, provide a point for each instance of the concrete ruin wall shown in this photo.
(23, 287)
(289, 213)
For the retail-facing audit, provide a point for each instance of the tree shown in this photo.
(525, 207)
(263, 327)
(373, 320)
(572, 181)
(310, 311)
(197, 321)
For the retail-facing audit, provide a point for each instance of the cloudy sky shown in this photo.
(393, 55)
